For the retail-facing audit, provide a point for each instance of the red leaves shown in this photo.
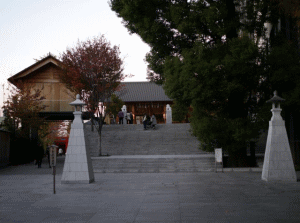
(95, 67)
(23, 107)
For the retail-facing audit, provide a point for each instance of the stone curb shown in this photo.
(244, 169)
(153, 156)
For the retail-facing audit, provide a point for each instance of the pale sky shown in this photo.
(30, 29)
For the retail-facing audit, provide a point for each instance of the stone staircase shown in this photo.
(168, 148)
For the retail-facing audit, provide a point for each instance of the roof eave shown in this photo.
(43, 62)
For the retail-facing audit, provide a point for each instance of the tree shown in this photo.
(170, 27)
(179, 112)
(93, 69)
(213, 56)
(114, 106)
(52, 130)
(22, 110)
(22, 120)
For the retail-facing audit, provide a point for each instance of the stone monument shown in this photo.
(124, 110)
(168, 114)
(78, 165)
(278, 162)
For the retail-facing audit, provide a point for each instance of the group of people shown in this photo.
(128, 117)
(147, 120)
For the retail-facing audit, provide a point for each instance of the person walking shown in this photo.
(40, 155)
(121, 116)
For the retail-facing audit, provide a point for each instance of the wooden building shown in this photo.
(145, 98)
(44, 75)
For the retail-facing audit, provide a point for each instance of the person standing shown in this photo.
(40, 155)
(60, 151)
(128, 118)
(131, 118)
(121, 116)
(145, 121)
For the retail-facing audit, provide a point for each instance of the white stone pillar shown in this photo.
(168, 114)
(78, 165)
(124, 110)
(278, 162)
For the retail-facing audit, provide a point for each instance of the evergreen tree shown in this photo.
(214, 56)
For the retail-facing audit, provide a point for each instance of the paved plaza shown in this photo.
(27, 196)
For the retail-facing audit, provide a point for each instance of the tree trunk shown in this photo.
(252, 154)
(100, 123)
(231, 18)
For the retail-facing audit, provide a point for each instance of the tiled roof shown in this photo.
(142, 91)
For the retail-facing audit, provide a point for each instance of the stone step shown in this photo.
(153, 163)
(171, 139)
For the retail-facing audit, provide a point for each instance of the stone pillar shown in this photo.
(78, 165)
(278, 162)
(168, 114)
(124, 110)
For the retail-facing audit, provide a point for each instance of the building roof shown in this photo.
(142, 91)
(130, 92)
(39, 64)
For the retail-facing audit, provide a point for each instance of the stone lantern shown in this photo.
(168, 114)
(78, 165)
(278, 162)
(77, 104)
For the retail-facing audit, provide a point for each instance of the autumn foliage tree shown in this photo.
(22, 110)
(22, 119)
(93, 69)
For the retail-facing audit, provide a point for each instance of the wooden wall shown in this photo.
(57, 96)
(140, 108)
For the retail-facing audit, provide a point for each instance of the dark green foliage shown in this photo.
(283, 70)
(207, 56)
(179, 111)
(114, 106)
(169, 27)
(218, 82)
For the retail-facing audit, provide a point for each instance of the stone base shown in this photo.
(78, 165)
(77, 181)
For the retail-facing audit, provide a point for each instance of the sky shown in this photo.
(31, 29)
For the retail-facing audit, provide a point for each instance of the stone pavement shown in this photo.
(26, 195)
